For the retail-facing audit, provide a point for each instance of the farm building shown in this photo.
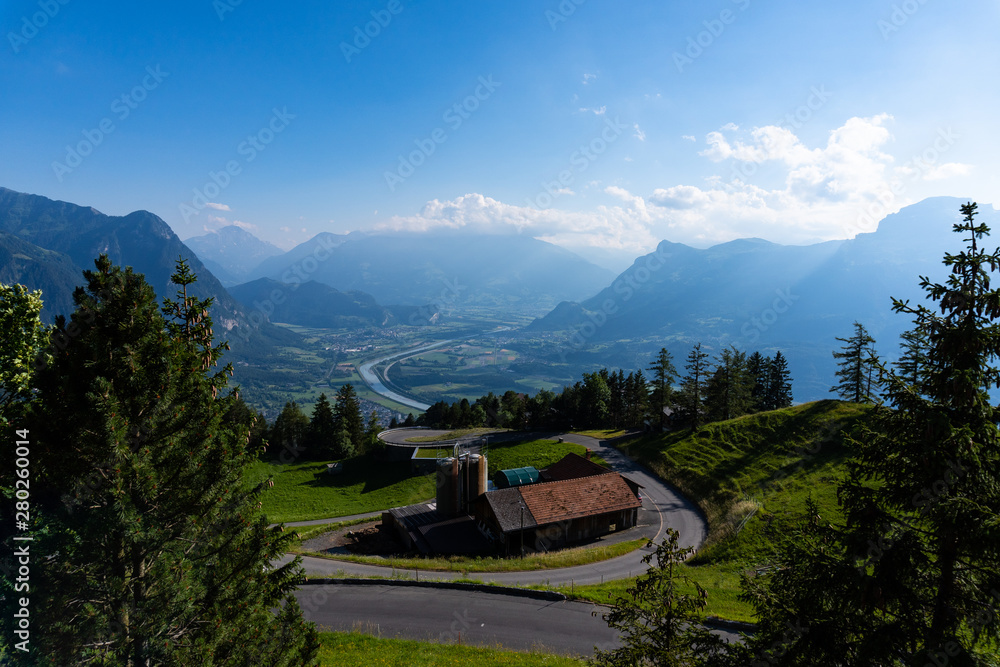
(572, 500)
(549, 515)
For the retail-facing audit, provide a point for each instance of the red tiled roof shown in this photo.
(572, 466)
(574, 498)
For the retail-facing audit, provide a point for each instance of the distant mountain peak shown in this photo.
(232, 252)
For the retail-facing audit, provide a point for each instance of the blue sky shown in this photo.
(586, 123)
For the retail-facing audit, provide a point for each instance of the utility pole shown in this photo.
(522, 531)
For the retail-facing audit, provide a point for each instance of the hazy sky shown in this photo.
(584, 122)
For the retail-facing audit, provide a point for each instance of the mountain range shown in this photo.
(763, 296)
(229, 253)
(449, 270)
(750, 293)
(47, 244)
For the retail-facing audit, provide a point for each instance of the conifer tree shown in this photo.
(661, 394)
(372, 429)
(692, 398)
(322, 429)
(911, 578)
(638, 399)
(163, 555)
(778, 393)
(660, 625)
(289, 436)
(913, 363)
(729, 386)
(857, 363)
(758, 372)
(347, 418)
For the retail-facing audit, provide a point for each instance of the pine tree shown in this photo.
(638, 399)
(912, 578)
(322, 429)
(692, 398)
(913, 363)
(857, 366)
(347, 418)
(372, 429)
(163, 553)
(660, 625)
(758, 371)
(661, 394)
(778, 393)
(728, 388)
(288, 437)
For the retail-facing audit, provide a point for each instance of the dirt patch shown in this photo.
(368, 539)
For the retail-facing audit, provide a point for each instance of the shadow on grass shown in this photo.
(374, 474)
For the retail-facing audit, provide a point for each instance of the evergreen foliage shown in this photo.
(661, 395)
(661, 626)
(857, 364)
(729, 388)
(322, 429)
(347, 420)
(912, 577)
(22, 340)
(161, 552)
(693, 387)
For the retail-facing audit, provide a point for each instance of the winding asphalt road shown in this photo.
(488, 618)
(662, 507)
(459, 616)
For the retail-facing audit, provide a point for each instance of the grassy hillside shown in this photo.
(765, 465)
(304, 491)
(751, 476)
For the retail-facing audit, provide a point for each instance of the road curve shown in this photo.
(662, 507)
(492, 619)
(458, 616)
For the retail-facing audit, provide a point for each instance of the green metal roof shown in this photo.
(520, 476)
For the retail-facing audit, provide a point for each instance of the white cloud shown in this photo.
(639, 134)
(245, 225)
(218, 219)
(688, 137)
(946, 171)
(599, 111)
(218, 207)
(833, 190)
(607, 226)
(587, 78)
